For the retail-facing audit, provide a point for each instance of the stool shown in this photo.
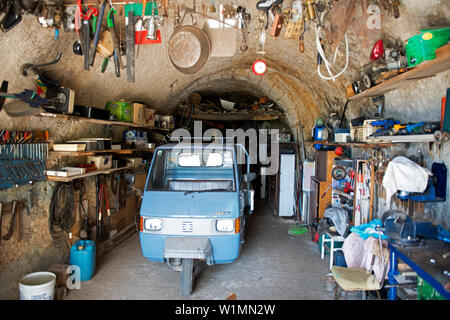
(333, 237)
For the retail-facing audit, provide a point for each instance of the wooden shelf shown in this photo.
(94, 152)
(424, 70)
(354, 144)
(235, 116)
(407, 138)
(98, 121)
(88, 174)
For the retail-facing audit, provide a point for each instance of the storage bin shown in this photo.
(341, 135)
(422, 46)
(82, 254)
(361, 133)
(122, 110)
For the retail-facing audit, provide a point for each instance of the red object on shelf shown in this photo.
(377, 51)
(138, 35)
(339, 151)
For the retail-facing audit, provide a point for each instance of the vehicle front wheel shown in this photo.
(187, 277)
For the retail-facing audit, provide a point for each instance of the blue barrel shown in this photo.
(82, 254)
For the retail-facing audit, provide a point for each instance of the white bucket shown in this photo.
(37, 286)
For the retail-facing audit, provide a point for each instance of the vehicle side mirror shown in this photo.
(249, 177)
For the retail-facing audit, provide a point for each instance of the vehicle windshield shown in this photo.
(192, 170)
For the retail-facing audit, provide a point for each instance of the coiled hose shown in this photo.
(62, 214)
(328, 65)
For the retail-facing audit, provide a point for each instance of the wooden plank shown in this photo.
(109, 244)
(237, 116)
(94, 152)
(341, 17)
(354, 144)
(97, 121)
(425, 69)
(409, 138)
(89, 174)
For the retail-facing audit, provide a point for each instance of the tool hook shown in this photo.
(24, 68)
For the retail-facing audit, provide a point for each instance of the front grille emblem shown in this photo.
(187, 226)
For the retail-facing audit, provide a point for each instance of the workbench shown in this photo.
(420, 258)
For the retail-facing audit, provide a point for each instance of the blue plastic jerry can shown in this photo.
(82, 254)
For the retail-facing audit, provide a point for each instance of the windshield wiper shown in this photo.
(207, 190)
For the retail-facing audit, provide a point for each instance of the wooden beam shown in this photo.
(341, 17)
(236, 116)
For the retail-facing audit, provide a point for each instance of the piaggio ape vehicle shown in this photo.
(195, 207)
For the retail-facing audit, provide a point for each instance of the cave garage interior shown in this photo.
(224, 150)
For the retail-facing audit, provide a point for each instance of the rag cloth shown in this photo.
(405, 175)
(366, 254)
(339, 217)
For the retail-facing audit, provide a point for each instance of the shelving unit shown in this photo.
(354, 144)
(386, 141)
(98, 121)
(89, 174)
(94, 152)
(424, 70)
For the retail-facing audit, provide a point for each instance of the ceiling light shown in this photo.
(259, 67)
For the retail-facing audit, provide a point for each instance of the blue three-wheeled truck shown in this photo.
(195, 207)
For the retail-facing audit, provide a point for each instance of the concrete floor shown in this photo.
(273, 265)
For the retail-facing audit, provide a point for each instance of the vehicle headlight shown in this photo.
(225, 225)
(152, 224)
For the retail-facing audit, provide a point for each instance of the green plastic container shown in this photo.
(427, 292)
(422, 46)
(122, 110)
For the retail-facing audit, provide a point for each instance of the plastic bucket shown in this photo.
(37, 286)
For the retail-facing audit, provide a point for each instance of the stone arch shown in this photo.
(280, 87)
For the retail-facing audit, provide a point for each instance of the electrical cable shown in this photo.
(326, 62)
(62, 216)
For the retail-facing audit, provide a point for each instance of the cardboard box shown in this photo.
(139, 113)
(132, 162)
(150, 115)
(101, 162)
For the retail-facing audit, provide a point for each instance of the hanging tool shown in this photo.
(12, 223)
(260, 48)
(86, 34)
(243, 19)
(130, 47)
(212, 7)
(326, 191)
(266, 6)
(97, 205)
(3, 89)
(99, 232)
(117, 58)
(108, 210)
(28, 96)
(94, 17)
(97, 32)
(144, 5)
(152, 23)
(12, 16)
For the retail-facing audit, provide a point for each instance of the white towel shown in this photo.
(405, 175)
